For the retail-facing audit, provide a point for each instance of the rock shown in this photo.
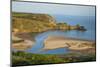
(81, 28)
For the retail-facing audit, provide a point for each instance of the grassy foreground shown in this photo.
(23, 58)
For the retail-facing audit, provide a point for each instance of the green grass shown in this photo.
(23, 58)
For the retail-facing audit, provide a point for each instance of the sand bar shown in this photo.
(54, 42)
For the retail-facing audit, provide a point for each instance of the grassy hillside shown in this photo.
(28, 22)
(34, 16)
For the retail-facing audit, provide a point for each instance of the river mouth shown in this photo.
(39, 44)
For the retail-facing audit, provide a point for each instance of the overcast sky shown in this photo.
(53, 9)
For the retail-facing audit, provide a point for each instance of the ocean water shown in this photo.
(87, 21)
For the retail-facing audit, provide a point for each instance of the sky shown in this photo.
(54, 9)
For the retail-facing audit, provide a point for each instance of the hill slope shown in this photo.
(28, 22)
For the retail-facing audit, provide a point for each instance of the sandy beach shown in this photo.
(54, 42)
(21, 42)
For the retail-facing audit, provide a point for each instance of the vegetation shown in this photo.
(23, 58)
(27, 22)
(17, 41)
